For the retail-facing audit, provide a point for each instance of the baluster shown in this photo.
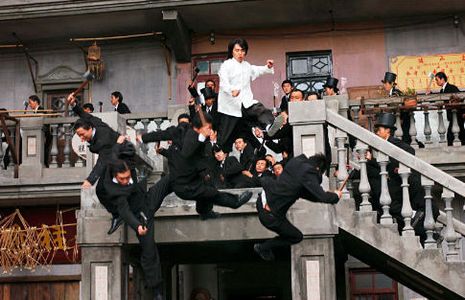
(13, 137)
(370, 118)
(132, 123)
(455, 129)
(427, 184)
(364, 186)
(441, 128)
(427, 131)
(158, 122)
(356, 110)
(53, 163)
(413, 130)
(342, 174)
(1, 145)
(67, 147)
(399, 132)
(406, 211)
(145, 123)
(385, 197)
(450, 236)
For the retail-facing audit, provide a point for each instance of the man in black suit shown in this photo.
(446, 88)
(99, 135)
(301, 178)
(227, 171)
(117, 101)
(34, 104)
(384, 128)
(210, 107)
(188, 169)
(287, 87)
(120, 195)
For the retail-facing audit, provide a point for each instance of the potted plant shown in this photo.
(410, 98)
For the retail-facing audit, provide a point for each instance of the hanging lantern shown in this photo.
(95, 62)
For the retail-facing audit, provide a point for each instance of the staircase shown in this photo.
(430, 270)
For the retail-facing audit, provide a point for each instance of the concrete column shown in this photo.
(33, 142)
(307, 119)
(314, 269)
(312, 263)
(104, 268)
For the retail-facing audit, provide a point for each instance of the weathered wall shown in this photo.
(357, 55)
(137, 70)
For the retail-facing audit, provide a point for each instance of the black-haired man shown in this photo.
(116, 100)
(287, 87)
(188, 168)
(301, 178)
(447, 88)
(235, 98)
(34, 104)
(122, 196)
(88, 108)
(210, 106)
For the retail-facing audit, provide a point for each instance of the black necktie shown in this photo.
(441, 91)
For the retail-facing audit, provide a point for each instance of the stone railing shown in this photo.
(452, 188)
(428, 122)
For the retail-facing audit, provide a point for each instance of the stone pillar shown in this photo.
(104, 274)
(312, 261)
(307, 119)
(33, 145)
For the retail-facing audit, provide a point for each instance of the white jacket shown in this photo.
(238, 76)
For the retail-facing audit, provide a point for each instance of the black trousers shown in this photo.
(288, 234)
(149, 257)
(205, 196)
(156, 194)
(230, 127)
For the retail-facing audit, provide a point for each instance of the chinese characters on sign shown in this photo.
(413, 71)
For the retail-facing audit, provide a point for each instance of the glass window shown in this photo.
(308, 71)
(363, 281)
(382, 281)
(204, 67)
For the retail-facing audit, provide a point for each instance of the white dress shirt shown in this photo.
(236, 75)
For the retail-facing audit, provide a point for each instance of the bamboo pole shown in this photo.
(116, 37)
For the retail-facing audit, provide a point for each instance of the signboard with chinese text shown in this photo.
(413, 71)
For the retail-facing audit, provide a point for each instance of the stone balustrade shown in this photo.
(431, 177)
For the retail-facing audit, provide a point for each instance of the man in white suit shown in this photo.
(235, 98)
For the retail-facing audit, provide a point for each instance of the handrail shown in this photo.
(400, 155)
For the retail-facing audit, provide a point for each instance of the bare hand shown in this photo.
(235, 93)
(191, 101)
(141, 230)
(121, 139)
(206, 131)
(270, 63)
(71, 99)
(339, 193)
(213, 136)
(86, 184)
(139, 138)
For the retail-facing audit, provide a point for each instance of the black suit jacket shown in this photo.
(300, 179)
(101, 143)
(125, 201)
(247, 157)
(213, 113)
(284, 103)
(123, 108)
(450, 88)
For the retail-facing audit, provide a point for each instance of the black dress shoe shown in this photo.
(264, 254)
(209, 215)
(244, 198)
(115, 224)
